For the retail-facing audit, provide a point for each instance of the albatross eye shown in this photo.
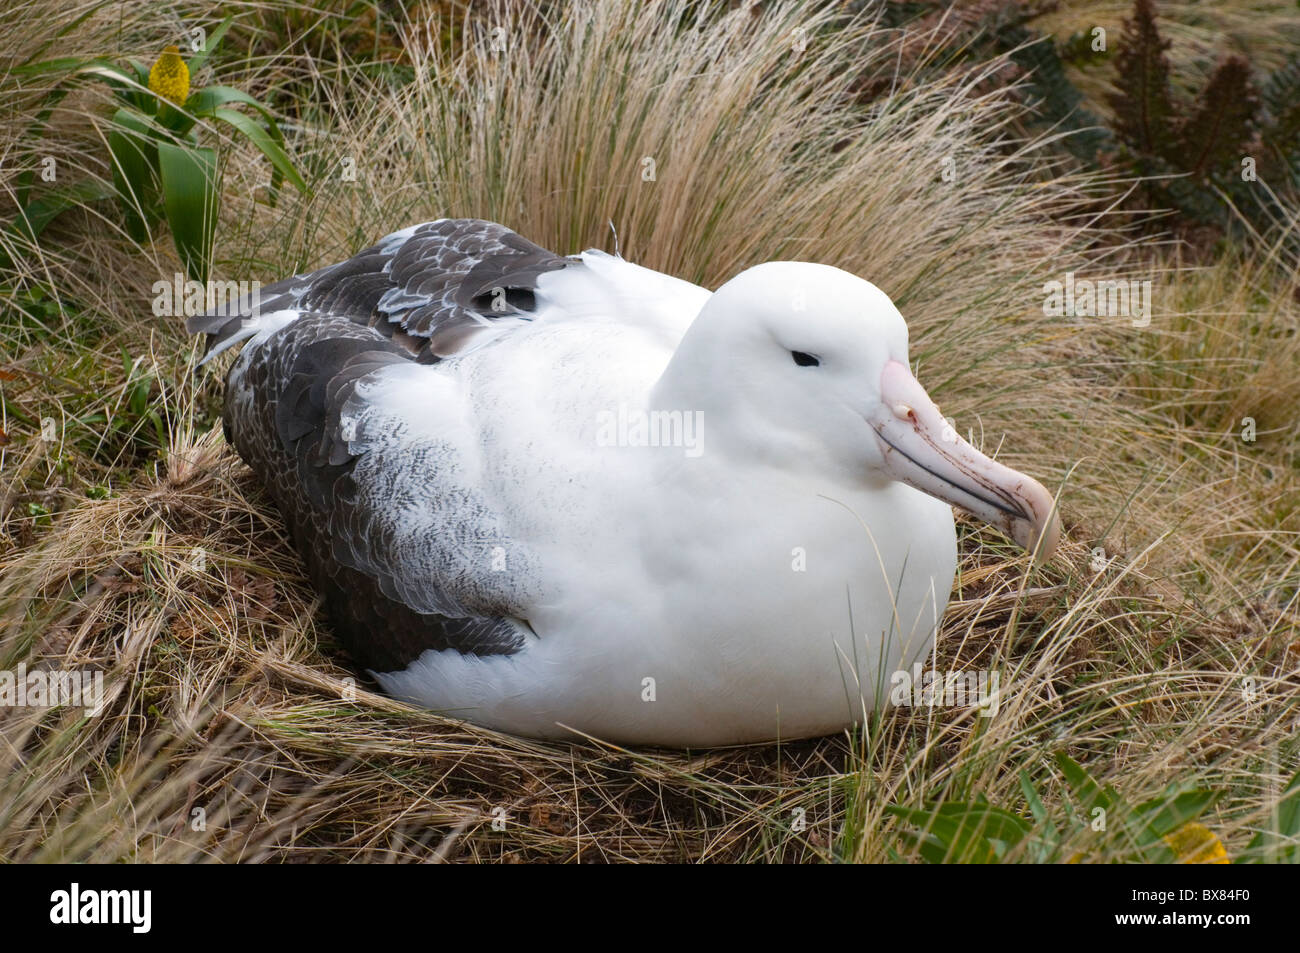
(805, 360)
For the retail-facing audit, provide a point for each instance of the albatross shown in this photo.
(569, 495)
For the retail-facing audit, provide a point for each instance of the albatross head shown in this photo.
(807, 362)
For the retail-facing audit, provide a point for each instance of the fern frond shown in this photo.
(1142, 105)
(1214, 136)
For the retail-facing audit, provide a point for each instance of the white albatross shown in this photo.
(556, 494)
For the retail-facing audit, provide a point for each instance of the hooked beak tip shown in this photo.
(1040, 533)
(922, 451)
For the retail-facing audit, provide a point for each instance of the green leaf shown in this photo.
(989, 822)
(1164, 815)
(1038, 809)
(1281, 843)
(277, 180)
(200, 58)
(68, 26)
(1089, 793)
(204, 102)
(134, 150)
(128, 88)
(931, 849)
(31, 220)
(266, 142)
(66, 64)
(963, 833)
(140, 96)
(1288, 809)
(190, 199)
(112, 73)
(28, 178)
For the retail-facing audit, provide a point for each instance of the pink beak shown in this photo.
(922, 451)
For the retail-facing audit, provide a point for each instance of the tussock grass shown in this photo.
(1158, 647)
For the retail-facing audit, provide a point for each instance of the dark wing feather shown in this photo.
(431, 288)
(284, 402)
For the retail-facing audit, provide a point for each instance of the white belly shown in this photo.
(713, 630)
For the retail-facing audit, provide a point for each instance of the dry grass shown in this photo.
(1175, 661)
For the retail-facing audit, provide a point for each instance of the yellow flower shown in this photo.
(1196, 844)
(169, 77)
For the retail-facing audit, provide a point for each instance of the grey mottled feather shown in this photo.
(394, 586)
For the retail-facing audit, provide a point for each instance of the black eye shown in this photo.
(805, 360)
